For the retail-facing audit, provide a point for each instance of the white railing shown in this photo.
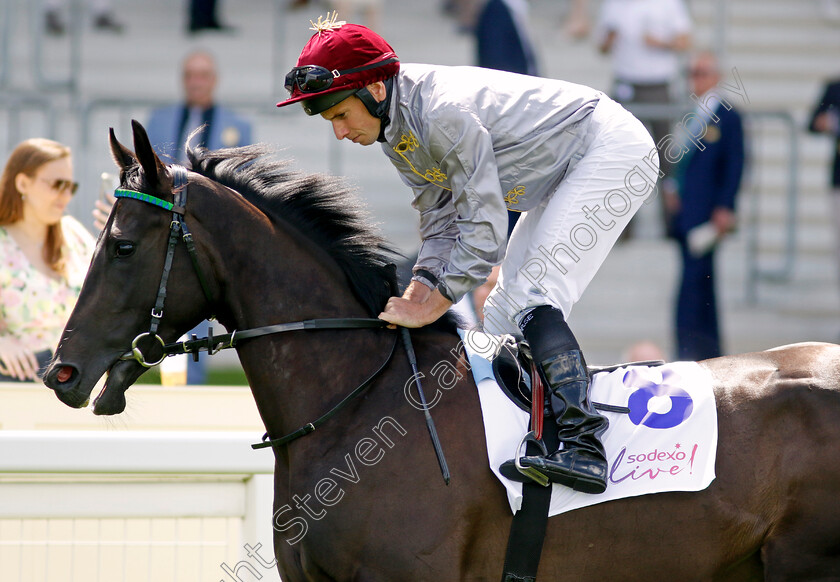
(134, 505)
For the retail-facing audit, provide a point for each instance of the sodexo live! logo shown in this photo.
(656, 405)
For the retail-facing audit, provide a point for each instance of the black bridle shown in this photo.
(212, 344)
(176, 226)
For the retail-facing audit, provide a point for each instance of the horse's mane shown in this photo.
(324, 208)
(321, 207)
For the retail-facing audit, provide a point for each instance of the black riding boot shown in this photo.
(580, 462)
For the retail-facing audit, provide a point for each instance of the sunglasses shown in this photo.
(700, 73)
(315, 78)
(61, 185)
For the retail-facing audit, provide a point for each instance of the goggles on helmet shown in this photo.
(315, 78)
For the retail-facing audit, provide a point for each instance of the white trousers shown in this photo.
(556, 248)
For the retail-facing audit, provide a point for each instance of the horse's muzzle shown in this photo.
(63, 379)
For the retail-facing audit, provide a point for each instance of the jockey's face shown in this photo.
(351, 119)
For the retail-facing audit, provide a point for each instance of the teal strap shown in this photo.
(121, 193)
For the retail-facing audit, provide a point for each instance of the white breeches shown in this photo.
(556, 248)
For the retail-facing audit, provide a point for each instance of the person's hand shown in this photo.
(826, 122)
(724, 220)
(101, 211)
(607, 42)
(680, 42)
(16, 360)
(411, 311)
(654, 42)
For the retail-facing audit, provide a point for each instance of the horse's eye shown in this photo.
(124, 249)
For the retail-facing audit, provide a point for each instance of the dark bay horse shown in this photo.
(361, 499)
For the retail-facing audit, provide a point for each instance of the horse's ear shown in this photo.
(123, 157)
(153, 168)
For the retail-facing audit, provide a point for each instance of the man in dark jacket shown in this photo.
(825, 119)
(701, 198)
(502, 39)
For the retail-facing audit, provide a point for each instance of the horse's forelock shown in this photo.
(133, 178)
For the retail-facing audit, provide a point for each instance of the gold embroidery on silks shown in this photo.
(512, 196)
(435, 175)
(409, 143)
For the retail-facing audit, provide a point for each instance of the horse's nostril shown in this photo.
(62, 378)
(64, 374)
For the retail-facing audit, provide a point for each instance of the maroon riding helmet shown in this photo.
(339, 60)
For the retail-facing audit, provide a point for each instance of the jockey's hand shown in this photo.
(415, 308)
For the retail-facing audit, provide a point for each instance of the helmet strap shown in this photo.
(378, 109)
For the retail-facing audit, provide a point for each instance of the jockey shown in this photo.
(471, 142)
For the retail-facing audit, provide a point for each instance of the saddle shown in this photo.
(514, 367)
(515, 370)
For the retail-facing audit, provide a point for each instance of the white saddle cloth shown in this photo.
(667, 442)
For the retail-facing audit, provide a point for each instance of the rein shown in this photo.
(311, 426)
(212, 344)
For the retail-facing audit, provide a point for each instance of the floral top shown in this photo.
(33, 306)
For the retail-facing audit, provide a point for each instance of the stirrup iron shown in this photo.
(534, 474)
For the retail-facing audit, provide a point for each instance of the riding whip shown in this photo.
(430, 424)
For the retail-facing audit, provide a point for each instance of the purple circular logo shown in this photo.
(639, 404)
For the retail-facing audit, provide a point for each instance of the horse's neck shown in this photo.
(298, 377)
(288, 279)
(277, 278)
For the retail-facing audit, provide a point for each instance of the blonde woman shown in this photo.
(44, 255)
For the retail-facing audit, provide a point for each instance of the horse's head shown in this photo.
(317, 258)
(120, 322)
